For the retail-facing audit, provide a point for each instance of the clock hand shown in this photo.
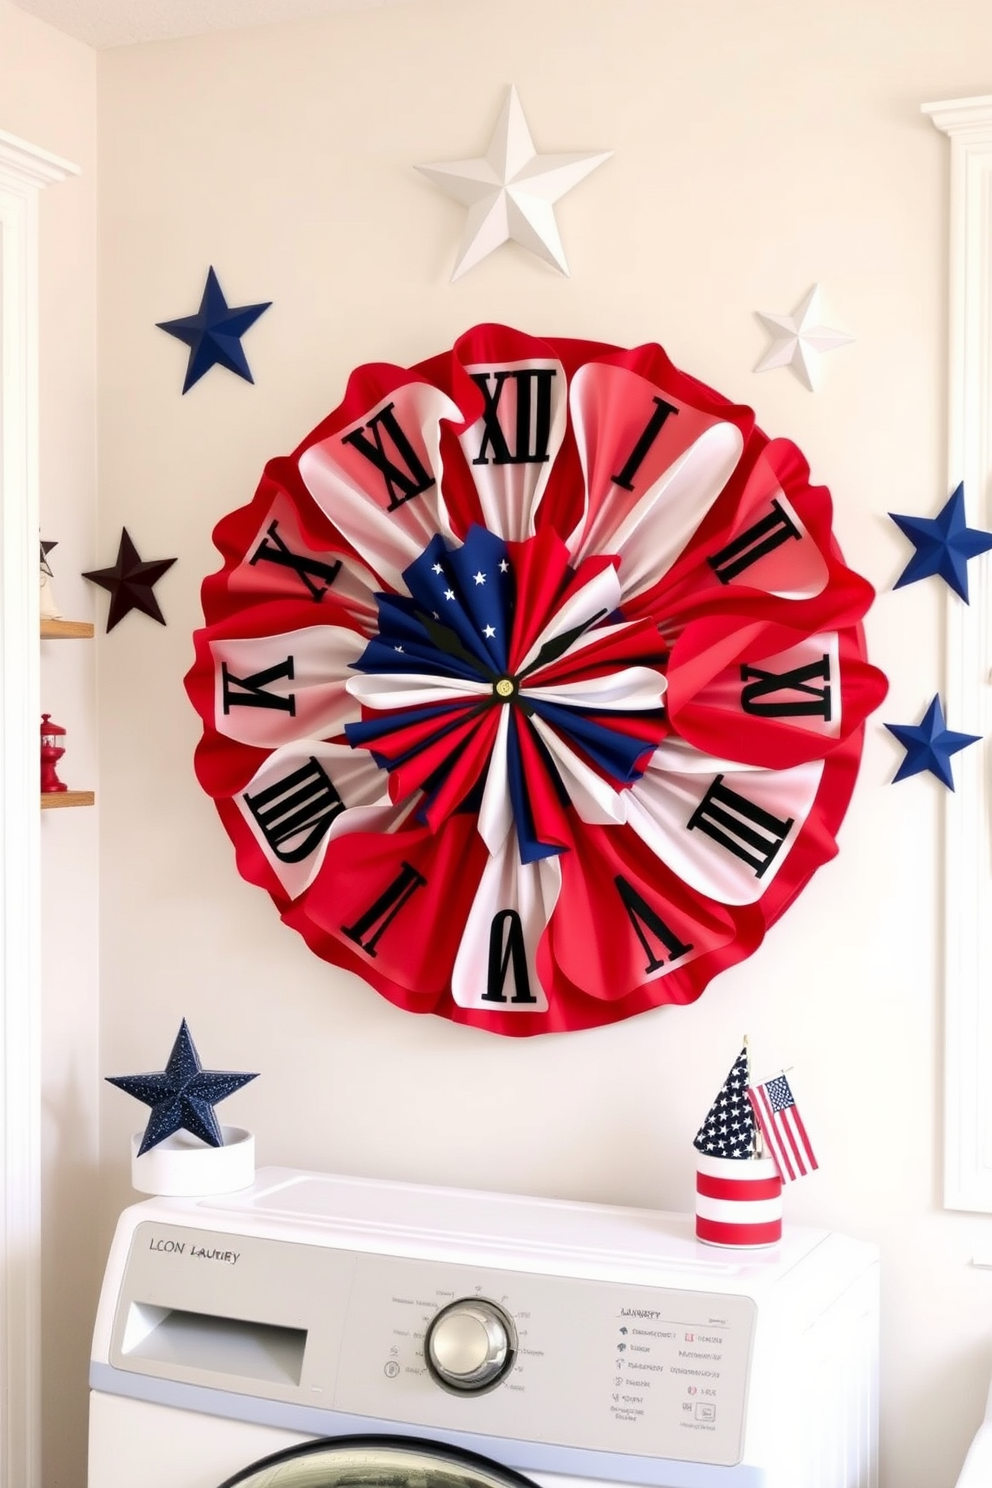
(558, 645)
(446, 640)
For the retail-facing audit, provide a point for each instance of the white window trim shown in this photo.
(968, 695)
(24, 171)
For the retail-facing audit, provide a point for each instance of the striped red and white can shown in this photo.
(738, 1201)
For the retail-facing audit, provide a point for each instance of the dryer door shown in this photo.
(375, 1462)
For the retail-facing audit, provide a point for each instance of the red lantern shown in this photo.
(52, 750)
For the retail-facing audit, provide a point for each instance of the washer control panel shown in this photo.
(608, 1366)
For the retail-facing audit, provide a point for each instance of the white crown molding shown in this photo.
(21, 162)
(968, 695)
(23, 172)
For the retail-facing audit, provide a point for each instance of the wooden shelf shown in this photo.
(51, 799)
(66, 630)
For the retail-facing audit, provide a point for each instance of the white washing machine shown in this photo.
(315, 1331)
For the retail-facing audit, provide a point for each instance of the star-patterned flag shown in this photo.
(728, 1130)
(782, 1128)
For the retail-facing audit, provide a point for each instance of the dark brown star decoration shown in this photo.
(130, 583)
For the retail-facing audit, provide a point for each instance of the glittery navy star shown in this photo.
(943, 545)
(183, 1095)
(214, 333)
(929, 745)
(130, 582)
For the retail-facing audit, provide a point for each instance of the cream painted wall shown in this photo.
(759, 148)
(48, 96)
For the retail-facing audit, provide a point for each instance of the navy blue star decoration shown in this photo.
(943, 545)
(183, 1095)
(929, 745)
(130, 582)
(214, 333)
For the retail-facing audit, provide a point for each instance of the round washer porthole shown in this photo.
(375, 1462)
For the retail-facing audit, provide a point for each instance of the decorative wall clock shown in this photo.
(533, 682)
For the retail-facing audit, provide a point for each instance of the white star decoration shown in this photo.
(510, 191)
(799, 339)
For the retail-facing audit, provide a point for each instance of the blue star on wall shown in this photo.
(929, 745)
(943, 545)
(183, 1095)
(214, 333)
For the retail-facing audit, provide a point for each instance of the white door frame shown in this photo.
(24, 171)
(967, 694)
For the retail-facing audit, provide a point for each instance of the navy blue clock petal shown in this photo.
(943, 545)
(214, 333)
(929, 745)
(183, 1095)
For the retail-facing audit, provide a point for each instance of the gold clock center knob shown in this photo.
(505, 687)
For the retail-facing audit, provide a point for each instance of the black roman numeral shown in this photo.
(648, 436)
(368, 930)
(272, 549)
(506, 950)
(295, 812)
(644, 919)
(403, 482)
(254, 694)
(746, 830)
(767, 534)
(532, 429)
(815, 701)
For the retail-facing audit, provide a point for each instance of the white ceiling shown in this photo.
(110, 23)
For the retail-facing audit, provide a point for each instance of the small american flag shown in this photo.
(781, 1126)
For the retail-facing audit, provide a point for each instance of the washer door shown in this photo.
(375, 1462)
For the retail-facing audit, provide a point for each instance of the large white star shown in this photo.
(510, 191)
(799, 339)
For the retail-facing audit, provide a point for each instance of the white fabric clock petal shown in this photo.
(511, 909)
(677, 756)
(594, 798)
(510, 490)
(496, 808)
(726, 839)
(632, 689)
(658, 529)
(272, 689)
(305, 795)
(389, 690)
(389, 516)
(652, 501)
